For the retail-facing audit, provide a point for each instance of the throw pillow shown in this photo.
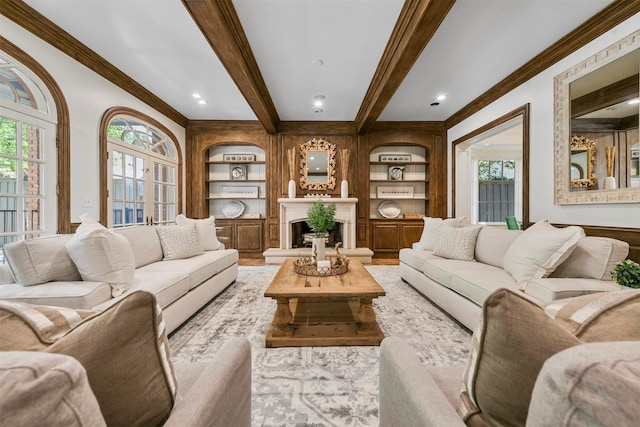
(508, 348)
(593, 258)
(456, 243)
(593, 384)
(179, 241)
(41, 260)
(603, 316)
(430, 231)
(125, 352)
(206, 231)
(40, 388)
(539, 250)
(102, 255)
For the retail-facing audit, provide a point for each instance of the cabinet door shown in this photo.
(385, 236)
(411, 233)
(249, 237)
(225, 234)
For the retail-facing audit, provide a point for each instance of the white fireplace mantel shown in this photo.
(295, 209)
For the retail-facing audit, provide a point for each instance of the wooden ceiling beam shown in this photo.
(36, 23)
(219, 23)
(612, 15)
(416, 25)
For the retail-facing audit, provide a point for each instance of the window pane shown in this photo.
(8, 169)
(140, 190)
(129, 164)
(128, 185)
(32, 214)
(117, 188)
(129, 214)
(8, 136)
(117, 213)
(171, 194)
(139, 168)
(171, 212)
(32, 142)
(117, 163)
(140, 213)
(171, 175)
(32, 178)
(8, 215)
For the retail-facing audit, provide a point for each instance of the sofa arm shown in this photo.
(408, 395)
(221, 395)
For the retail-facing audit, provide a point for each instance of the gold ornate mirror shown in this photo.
(317, 165)
(583, 163)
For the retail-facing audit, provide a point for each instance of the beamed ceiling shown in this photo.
(382, 60)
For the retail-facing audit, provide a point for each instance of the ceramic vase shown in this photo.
(292, 189)
(610, 183)
(344, 189)
(318, 249)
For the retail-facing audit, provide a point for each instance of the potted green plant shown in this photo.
(627, 273)
(320, 218)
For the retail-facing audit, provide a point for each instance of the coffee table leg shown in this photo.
(366, 316)
(283, 317)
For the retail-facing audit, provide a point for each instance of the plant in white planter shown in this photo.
(627, 273)
(320, 218)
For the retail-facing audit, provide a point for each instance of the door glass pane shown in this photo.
(140, 191)
(32, 178)
(129, 214)
(129, 164)
(128, 185)
(171, 175)
(8, 169)
(8, 215)
(140, 213)
(118, 217)
(32, 214)
(139, 168)
(8, 136)
(117, 188)
(32, 141)
(117, 163)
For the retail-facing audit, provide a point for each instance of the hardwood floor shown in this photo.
(260, 261)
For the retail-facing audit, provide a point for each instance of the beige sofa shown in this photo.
(578, 265)
(181, 286)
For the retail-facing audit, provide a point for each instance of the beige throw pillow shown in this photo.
(179, 241)
(429, 235)
(102, 255)
(593, 258)
(539, 250)
(206, 231)
(456, 243)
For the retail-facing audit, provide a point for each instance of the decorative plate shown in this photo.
(233, 209)
(389, 209)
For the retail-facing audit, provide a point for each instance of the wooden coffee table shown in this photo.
(324, 310)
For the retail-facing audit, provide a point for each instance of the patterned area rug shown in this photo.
(318, 386)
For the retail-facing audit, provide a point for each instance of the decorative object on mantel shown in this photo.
(333, 266)
(344, 162)
(320, 219)
(627, 273)
(316, 195)
(233, 209)
(389, 209)
(291, 159)
(610, 180)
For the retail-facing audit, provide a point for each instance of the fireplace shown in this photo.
(301, 235)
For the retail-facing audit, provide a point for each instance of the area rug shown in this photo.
(318, 386)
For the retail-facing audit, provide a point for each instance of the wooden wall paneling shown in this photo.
(360, 169)
(275, 177)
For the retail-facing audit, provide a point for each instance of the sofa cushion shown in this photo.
(199, 268)
(508, 348)
(456, 242)
(102, 255)
(476, 282)
(167, 286)
(430, 231)
(493, 243)
(144, 242)
(206, 231)
(553, 288)
(84, 295)
(41, 260)
(539, 250)
(605, 316)
(415, 258)
(594, 384)
(593, 258)
(38, 386)
(179, 241)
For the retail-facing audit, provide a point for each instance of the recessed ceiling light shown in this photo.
(202, 102)
(317, 103)
(317, 62)
(441, 97)
(196, 95)
(634, 101)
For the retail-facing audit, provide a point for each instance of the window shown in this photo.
(496, 190)
(27, 155)
(143, 173)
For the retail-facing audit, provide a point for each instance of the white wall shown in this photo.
(88, 96)
(539, 93)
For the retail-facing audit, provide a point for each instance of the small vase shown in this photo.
(318, 249)
(344, 189)
(610, 183)
(292, 189)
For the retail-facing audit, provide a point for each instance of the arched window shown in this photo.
(143, 171)
(28, 152)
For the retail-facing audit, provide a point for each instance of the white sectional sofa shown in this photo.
(576, 265)
(43, 273)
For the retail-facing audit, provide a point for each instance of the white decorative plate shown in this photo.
(233, 209)
(389, 209)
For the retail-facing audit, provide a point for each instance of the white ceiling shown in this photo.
(157, 44)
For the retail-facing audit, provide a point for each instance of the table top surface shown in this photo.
(357, 282)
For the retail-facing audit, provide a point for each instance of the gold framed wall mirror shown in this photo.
(317, 165)
(598, 100)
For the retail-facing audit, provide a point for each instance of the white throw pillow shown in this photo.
(179, 241)
(456, 242)
(206, 231)
(430, 231)
(539, 250)
(102, 255)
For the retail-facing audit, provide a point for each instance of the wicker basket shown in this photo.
(309, 267)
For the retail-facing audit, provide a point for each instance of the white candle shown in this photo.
(323, 266)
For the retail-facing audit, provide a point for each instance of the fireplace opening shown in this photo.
(301, 235)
